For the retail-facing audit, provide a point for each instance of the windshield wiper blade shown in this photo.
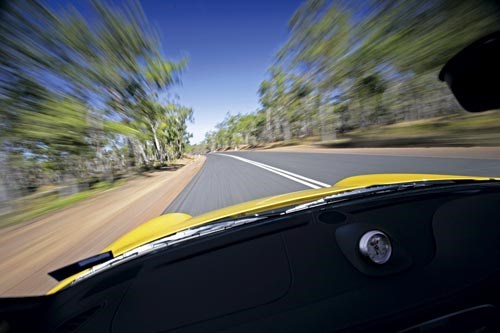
(69, 270)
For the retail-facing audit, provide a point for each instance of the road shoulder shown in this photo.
(28, 251)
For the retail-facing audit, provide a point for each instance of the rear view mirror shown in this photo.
(473, 74)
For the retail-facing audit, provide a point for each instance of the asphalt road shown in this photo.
(234, 177)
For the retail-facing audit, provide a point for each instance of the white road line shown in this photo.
(294, 175)
(287, 174)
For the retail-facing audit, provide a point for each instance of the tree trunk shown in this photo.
(142, 153)
(328, 131)
(269, 127)
(287, 133)
(159, 154)
(179, 147)
(131, 156)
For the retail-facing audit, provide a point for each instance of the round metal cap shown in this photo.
(376, 245)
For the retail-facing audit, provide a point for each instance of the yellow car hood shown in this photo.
(169, 224)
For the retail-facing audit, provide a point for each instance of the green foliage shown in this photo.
(352, 65)
(79, 95)
(60, 125)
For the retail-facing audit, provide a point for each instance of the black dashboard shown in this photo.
(303, 272)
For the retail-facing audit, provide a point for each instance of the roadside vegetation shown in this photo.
(84, 101)
(48, 199)
(365, 75)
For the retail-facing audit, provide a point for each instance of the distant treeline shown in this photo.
(350, 65)
(83, 99)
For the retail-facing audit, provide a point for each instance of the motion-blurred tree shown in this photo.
(76, 88)
(366, 63)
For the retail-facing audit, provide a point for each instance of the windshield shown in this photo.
(115, 113)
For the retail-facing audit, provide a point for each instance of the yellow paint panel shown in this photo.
(147, 232)
(395, 178)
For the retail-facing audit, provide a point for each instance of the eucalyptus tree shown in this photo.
(74, 87)
(265, 97)
(346, 65)
(175, 129)
(331, 42)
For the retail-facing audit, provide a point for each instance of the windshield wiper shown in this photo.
(66, 271)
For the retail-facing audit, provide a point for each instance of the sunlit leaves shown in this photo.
(58, 124)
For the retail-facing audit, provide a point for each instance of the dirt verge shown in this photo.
(28, 251)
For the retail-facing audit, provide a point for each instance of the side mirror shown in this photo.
(473, 74)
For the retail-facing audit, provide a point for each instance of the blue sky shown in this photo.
(229, 44)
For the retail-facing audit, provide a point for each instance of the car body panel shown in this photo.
(172, 223)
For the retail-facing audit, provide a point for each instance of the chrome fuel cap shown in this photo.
(376, 245)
